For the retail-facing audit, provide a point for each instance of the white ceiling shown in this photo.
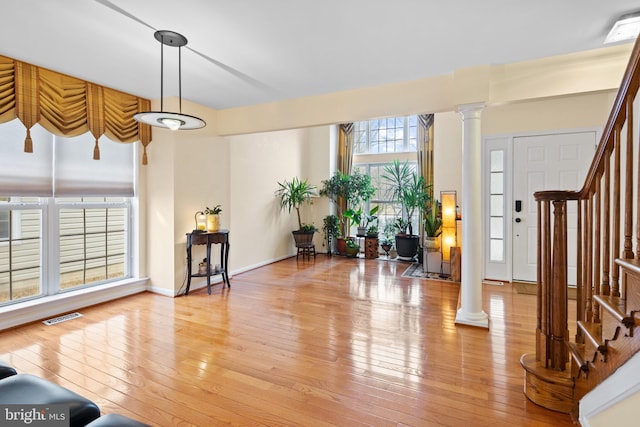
(244, 52)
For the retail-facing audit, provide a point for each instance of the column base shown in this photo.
(480, 320)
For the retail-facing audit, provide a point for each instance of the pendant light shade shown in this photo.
(163, 119)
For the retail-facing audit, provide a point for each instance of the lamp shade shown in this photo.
(172, 121)
(201, 221)
(449, 227)
(448, 241)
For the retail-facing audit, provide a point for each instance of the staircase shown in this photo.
(605, 215)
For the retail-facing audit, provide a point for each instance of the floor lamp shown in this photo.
(449, 227)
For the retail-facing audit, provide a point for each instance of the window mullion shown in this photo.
(405, 138)
(51, 247)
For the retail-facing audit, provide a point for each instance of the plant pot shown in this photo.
(302, 237)
(407, 246)
(431, 262)
(341, 246)
(213, 222)
(362, 231)
(352, 252)
(432, 244)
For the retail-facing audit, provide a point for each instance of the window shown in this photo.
(377, 143)
(391, 135)
(21, 252)
(64, 217)
(93, 240)
(496, 206)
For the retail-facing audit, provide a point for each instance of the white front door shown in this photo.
(545, 162)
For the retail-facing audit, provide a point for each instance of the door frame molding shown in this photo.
(503, 271)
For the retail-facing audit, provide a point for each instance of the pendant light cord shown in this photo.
(162, 76)
(170, 120)
(161, 73)
(180, 78)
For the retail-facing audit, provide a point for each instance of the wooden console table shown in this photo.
(208, 238)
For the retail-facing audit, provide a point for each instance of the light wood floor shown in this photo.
(335, 341)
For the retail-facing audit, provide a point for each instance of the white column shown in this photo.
(470, 311)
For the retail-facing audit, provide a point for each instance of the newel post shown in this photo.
(548, 382)
(558, 299)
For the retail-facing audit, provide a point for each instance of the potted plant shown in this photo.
(361, 220)
(387, 239)
(352, 247)
(413, 196)
(347, 191)
(352, 217)
(370, 220)
(432, 230)
(213, 217)
(432, 227)
(331, 229)
(293, 194)
(386, 244)
(410, 190)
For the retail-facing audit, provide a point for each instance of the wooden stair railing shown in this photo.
(607, 215)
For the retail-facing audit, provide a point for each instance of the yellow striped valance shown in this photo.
(66, 106)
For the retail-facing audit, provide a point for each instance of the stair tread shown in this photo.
(577, 352)
(616, 306)
(593, 331)
(632, 265)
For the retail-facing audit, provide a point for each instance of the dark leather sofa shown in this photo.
(25, 389)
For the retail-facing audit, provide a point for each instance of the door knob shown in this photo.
(518, 220)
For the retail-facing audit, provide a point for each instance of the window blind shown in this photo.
(75, 175)
(61, 166)
(25, 174)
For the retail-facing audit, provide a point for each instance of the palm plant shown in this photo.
(398, 175)
(293, 194)
(407, 187)
(414, 196)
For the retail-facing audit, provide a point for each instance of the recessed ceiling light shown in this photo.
(625, 28)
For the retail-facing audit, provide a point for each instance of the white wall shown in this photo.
(187, 171)
(447, 155)
(582, 110)
(262, 231)
(269, 143)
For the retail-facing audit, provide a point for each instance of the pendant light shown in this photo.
(164, 119)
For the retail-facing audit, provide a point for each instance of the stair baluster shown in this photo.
(608, 271)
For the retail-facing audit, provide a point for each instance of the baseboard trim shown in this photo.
(42, 308)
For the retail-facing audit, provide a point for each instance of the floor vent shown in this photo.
(59, 319)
